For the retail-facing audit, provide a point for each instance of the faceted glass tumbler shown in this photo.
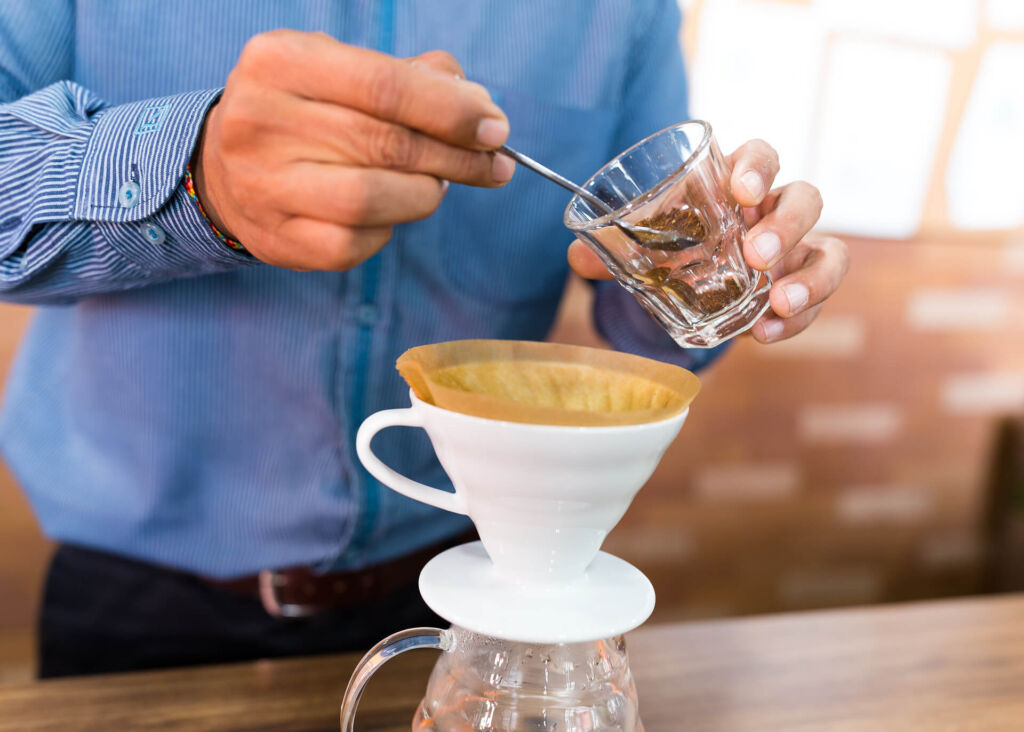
(675, 180)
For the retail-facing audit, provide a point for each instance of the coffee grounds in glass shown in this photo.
(677, 221)
(703, 296)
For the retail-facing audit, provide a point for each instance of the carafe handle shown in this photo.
(393, 645)
(392, 478)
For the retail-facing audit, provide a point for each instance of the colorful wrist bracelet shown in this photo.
(190, 188)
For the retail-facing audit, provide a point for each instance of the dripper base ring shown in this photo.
(462, 586)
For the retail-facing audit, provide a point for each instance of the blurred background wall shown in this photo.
(23, 550)
(875, 457)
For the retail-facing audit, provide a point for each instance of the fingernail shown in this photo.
(502, 168)
(771, 329)
(798, 295)
(445, 185)
(492, 132)
(752, 181)
(767, 245)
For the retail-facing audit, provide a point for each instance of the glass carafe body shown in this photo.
(484, 683)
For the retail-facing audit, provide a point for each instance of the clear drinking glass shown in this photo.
(675, 180)
(483, 683)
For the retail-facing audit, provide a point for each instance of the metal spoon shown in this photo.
(641, 235)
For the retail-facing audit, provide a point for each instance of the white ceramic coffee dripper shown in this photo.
(543, 499)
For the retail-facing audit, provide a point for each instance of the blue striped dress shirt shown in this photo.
(179, 403)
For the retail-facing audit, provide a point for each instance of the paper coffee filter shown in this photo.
(546, 383)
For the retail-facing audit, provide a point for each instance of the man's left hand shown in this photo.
(805, 268)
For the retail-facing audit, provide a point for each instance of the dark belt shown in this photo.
(299, 592)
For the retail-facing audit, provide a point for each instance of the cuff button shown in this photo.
(153, 233)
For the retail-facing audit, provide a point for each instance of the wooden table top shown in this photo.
(952, 665)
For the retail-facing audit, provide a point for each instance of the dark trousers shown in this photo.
(103, 613)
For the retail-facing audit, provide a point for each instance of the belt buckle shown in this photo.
(269, 581)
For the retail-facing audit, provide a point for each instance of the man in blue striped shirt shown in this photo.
(182, 412)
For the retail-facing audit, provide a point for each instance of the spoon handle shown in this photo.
(555, 178)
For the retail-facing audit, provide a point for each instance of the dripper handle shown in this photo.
(391, 478)
(393, 645)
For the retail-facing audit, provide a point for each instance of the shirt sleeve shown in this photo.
(654, 97)
(628, 327)
(91, 196)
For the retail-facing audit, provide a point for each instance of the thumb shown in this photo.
(587, 264)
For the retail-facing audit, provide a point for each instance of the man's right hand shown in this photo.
(317, 148)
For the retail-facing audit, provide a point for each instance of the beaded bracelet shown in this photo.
(190, 188)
